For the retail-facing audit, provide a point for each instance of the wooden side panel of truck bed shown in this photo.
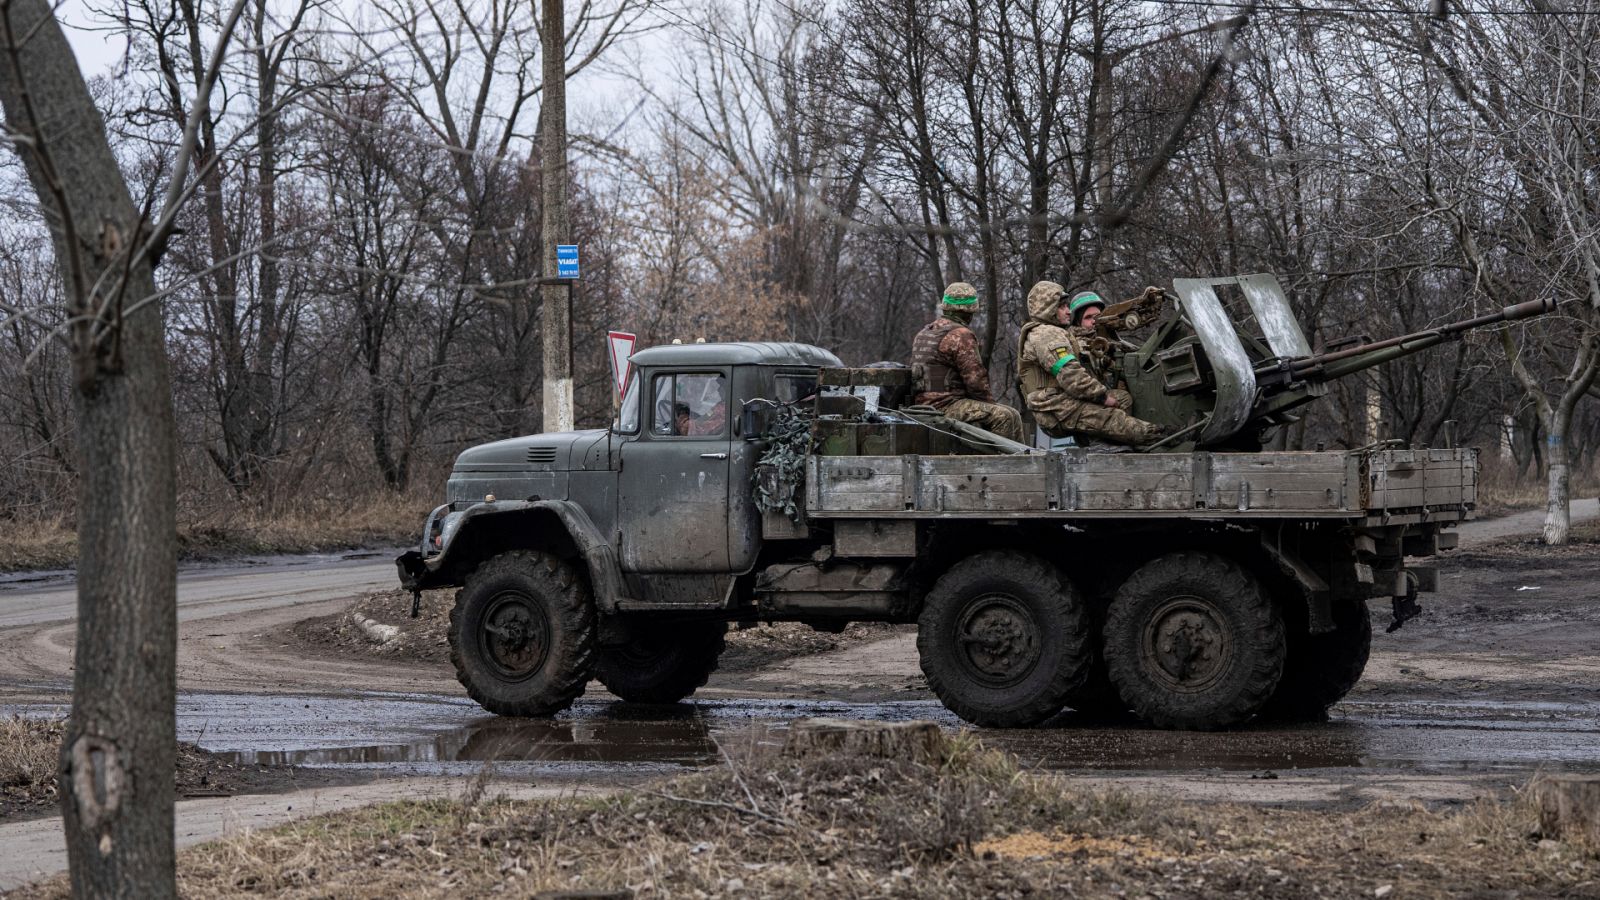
(1077, 484)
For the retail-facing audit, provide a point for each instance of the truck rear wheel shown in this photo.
(1322, 668)
(522, 634)
(1003, 639)
(1191, 641)
(664, 662)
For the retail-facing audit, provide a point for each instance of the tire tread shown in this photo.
(1263, 634)
(573, 613)
(944, 600)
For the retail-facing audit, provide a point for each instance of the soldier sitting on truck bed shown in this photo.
(1083, 311)
(1064, 395)
(949, 375)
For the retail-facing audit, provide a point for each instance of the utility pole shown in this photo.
(556, 296)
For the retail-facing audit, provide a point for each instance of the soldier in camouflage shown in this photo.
(1061, 384)
(1082, 311)
(949, 375)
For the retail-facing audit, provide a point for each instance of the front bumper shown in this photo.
(415, 573)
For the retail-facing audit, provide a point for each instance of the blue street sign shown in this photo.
(566, 260)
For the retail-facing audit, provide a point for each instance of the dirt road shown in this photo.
(224, 616)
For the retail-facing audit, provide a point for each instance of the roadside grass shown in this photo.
(29, 755)
(1582, 540)
(973, 824)
(240, 529)
(1502, 490)
(425, 638)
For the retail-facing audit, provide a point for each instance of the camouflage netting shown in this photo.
(781, 471)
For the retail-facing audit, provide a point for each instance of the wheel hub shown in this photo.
(516, 635)
(1187, 643)
(999, 642)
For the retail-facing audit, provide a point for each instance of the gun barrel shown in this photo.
(1365, 355)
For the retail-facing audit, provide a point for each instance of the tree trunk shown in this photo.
(921, 742)
(118, 752)
(1558, 509)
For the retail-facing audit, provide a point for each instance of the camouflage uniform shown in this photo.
(948, 373)
(1064, 394)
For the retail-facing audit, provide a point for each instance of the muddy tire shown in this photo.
(664, 662)
(1321, 668)
(522, 634)
(1192, 642)
(1003, 639)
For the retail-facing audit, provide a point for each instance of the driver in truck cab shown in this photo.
(1065, 396)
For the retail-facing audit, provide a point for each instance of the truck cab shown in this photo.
(651, 520)
(666, 487)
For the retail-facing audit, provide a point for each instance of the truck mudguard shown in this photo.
(493, 527)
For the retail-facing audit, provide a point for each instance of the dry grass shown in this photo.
(45, 543)
(1582, 541)
(29, 750)
(1501, 490)
(974, 825)
(240, 529)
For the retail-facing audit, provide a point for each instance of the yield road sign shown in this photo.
(619, 346)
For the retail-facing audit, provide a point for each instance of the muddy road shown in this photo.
(1500, 678)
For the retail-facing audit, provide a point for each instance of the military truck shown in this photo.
(1194, 587)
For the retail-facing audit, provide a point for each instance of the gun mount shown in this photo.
(1219, 386)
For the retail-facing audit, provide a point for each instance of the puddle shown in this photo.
(435, 731)
(443, 734)
(674, 738)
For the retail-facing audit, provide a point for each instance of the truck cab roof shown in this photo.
(732, 353)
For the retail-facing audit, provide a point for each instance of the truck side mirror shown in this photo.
(754, 418)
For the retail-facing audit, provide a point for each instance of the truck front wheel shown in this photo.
(1003, 639)
(1191, 641)
(522, 634)
(663, 662)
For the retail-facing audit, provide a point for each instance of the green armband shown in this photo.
(1056, 369)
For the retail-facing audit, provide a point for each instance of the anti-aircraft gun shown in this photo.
(1218, 386)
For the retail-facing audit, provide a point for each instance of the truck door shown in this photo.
(673, 502)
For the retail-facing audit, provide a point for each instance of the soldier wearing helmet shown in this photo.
(1060, 383)
(947, 372)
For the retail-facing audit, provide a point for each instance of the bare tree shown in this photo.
(238, 305)
(118, 752)
(1494, 122)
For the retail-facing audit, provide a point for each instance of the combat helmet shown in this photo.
(959, 302)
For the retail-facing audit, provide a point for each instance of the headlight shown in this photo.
(447, 529)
